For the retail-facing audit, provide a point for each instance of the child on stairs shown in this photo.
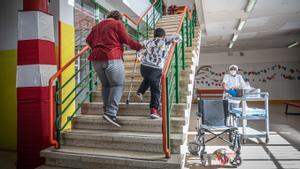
(152, 64)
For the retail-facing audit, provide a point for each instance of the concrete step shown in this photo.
(138, 76)
(131, 141)
(131, 109)
(97, 97)
(171, 16)
(52, 167)
(169, 21)
(166, 19)
(174, 26)
(183, 91)
(136, 86)
(91, 158)
(128, 123)
(169, 30)
(166, 23)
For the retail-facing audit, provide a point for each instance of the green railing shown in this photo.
(78, 95)
(171, 74)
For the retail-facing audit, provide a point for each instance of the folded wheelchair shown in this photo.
(214, 116)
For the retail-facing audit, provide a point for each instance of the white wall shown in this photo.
(137, 6)
(255, 60)
(252, 56)
(9, 23)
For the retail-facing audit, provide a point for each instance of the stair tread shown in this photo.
(128, 119)
(52, 167)
(137, 104)
(77, 133)
(78, 152)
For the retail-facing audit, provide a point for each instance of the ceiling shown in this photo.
(271, 24)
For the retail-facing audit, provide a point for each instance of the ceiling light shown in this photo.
(250, 5)
(230, 45)
(293, 44)
(235, 36)
(241, 25)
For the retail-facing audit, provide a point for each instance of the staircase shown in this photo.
(93, 143)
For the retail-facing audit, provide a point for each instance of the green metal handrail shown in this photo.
(80, 93)
(171, 75)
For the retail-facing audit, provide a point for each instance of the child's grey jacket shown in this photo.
(156, 50)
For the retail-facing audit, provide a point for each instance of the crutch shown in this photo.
(132, 76)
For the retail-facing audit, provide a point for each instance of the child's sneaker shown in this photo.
(154, 113)
(140, 96)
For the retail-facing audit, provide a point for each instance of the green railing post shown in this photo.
(195, 18)
(138, 32)
(187, 29)
(90, 81)
(153, 17)
(168, 112)
(58, 111)
(193, 25)
(182, 47)
(177, 86)
(147, 26)
(161, 6)
(190, 32)
(126, 24)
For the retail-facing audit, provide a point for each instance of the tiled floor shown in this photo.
(281, 152)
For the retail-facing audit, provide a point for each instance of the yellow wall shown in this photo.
(8, 100)
(68, 52)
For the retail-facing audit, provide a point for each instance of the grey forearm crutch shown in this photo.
(132, 76)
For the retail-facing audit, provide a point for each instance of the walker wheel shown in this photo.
(194, 148)
(237, 161)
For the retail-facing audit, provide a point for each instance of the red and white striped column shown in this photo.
(36, 64)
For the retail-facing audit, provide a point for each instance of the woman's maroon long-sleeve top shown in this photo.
(106, 40)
